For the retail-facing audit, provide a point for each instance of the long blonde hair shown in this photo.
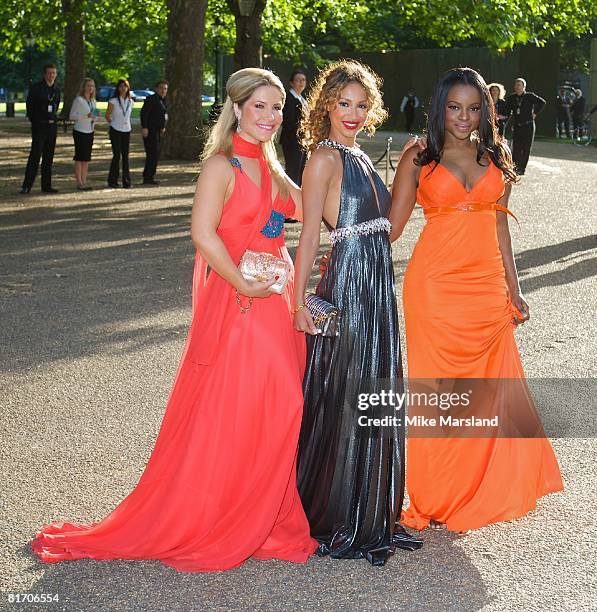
(239, 89)
(315, 124)
(83, 85)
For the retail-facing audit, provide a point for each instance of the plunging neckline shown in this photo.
(361, 158)
(479, 180)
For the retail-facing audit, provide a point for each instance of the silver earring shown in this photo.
(238, 130)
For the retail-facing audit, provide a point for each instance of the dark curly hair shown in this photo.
(489, 141)
(315, 124)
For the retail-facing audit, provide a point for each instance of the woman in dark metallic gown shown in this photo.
(350, 472)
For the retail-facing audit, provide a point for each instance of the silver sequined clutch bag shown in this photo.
(263, 267)
(326, 316)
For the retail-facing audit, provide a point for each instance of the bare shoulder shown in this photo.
(216, 175)
(217, 165)
(323, 162)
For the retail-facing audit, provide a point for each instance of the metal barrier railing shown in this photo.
(388, 157)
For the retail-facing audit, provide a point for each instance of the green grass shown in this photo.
(561, 141)
(102, 106)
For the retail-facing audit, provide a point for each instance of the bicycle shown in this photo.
(582, 135)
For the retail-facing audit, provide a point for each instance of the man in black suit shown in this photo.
(294, 153)
(43, 101)
(154, 115)
(522, 107)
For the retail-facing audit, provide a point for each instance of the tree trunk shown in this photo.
(184, 71)
(248, 46)
(74, 51)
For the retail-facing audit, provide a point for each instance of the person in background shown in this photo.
(578, 109)
(409, 104)
(563, 112)
(43, 101)
(294, 153)
(154, 115)
(498, 95)
(84, 113)
(118, 116)
(523, 106)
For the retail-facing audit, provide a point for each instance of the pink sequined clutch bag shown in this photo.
(263, 267)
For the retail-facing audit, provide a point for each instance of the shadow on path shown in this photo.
(575, 255)
(81, 279)
(409, 581)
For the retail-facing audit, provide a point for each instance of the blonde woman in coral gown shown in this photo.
(220, 486)
(462, 302)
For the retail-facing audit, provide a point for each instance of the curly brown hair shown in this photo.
(315, 123)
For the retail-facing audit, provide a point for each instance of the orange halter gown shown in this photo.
(458, 319)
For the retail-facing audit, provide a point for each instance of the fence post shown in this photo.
(388, 148)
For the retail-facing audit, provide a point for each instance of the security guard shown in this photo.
(43, 101)
(522, 107)
(154, 115)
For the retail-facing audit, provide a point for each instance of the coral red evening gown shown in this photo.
(220, 485)
(459, 326)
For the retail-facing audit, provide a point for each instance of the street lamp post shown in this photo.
(29, 42)
(216, 32)
(216, 107)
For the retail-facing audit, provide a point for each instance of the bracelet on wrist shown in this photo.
(298, 307)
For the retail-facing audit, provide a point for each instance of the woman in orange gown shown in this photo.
(220, 485)
(462, 302)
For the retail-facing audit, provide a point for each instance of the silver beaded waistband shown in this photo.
(381, 224)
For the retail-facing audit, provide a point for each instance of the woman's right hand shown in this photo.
(303, 321)
(257, 289)
(414, 141)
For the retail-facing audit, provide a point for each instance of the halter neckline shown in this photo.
(244, 148)
(328, 142)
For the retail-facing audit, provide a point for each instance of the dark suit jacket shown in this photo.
(292, 113)
(39, 98)
(529, 103)
(153, 113)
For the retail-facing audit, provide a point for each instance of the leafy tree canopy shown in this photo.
(130, 38)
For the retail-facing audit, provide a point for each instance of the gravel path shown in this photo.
(95, 302)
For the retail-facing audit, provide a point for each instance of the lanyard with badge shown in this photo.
(164, 109)
(92, 108)
(124, 109)
(519, 103)
(50, 100)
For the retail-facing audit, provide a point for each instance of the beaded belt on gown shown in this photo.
(468, 206)
(381, 224)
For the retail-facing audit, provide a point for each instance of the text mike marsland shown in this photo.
(421, 421)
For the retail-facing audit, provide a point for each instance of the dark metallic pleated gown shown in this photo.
(351, 478)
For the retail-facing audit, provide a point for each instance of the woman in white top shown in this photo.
(84, 113)
(118, 116)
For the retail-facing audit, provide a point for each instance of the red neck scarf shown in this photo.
(244, 148)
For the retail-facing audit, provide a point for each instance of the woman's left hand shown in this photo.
(521, 309)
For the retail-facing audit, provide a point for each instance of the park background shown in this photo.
(95, 295)
(196, 44)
